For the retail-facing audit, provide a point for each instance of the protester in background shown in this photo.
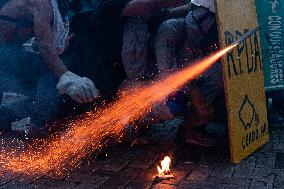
(138, 37)
(33, 34)
(176, 39)
(99, 35)
(138, 54)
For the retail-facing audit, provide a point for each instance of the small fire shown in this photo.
(165, 167)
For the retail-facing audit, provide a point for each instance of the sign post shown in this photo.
(271, 17)
(243, 76)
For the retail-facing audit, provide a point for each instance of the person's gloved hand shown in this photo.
(80, 89)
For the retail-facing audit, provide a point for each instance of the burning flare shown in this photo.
(88, 132)
(165, 167)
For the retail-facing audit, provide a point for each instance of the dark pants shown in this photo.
(277, 98)
(27, 74)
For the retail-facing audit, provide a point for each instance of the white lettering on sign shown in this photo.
(275, 39)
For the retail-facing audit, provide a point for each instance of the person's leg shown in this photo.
(211, 83)
(32, 78)
(206, 88)
(170, 38)
(135, 47)
(202, 98)
(44, 101)
(9, 84)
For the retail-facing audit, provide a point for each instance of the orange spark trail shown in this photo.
(86, 134)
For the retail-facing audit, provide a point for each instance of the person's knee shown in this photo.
(168, 31)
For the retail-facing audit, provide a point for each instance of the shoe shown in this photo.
(200, 138)
(27, 129)
(194, 119)
(159, 113)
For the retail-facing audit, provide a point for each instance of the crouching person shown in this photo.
(139, 31)
(176, 38)
(33, 35)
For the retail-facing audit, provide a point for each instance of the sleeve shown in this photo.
(107, 13)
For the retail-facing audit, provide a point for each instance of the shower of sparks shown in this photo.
(87, 133)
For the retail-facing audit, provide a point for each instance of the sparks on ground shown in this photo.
(88, 133)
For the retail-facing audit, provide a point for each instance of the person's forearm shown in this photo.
(57, 66)
(54, 62)
(180, 11)
(142, 7)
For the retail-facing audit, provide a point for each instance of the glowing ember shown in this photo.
(88, 133)
(165, 167)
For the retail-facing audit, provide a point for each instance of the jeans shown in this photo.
(172, 41)
(27, 74)
(135, 47)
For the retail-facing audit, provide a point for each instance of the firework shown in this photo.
(87, 133)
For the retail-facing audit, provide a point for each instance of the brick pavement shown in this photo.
(135, 167)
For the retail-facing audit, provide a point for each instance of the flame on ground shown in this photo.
(87, 133)
(165, 166)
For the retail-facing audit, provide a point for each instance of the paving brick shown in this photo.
(116, 164)
(263, 173)
(265, 165)
(121, 179)
(87, 179)
(87, 186)
(21, 183)
(53, 184)
(89, 168)
(271, 145)
(223, 181)
(263, 183)
(245, 168)
(279, 179)
(24, 180)
(279, 164)
(232, 186)
(199, 174)
(17, 186)
(56, 176)
(223, 170)
(265, 160)
(189, 155)
(7, 177)
(144, 179)
(280, 145)
(146, 159)
(202, 185)
(214, 157)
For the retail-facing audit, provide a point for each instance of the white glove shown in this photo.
(80, 89)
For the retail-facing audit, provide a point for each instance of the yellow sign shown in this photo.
(243, 76)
